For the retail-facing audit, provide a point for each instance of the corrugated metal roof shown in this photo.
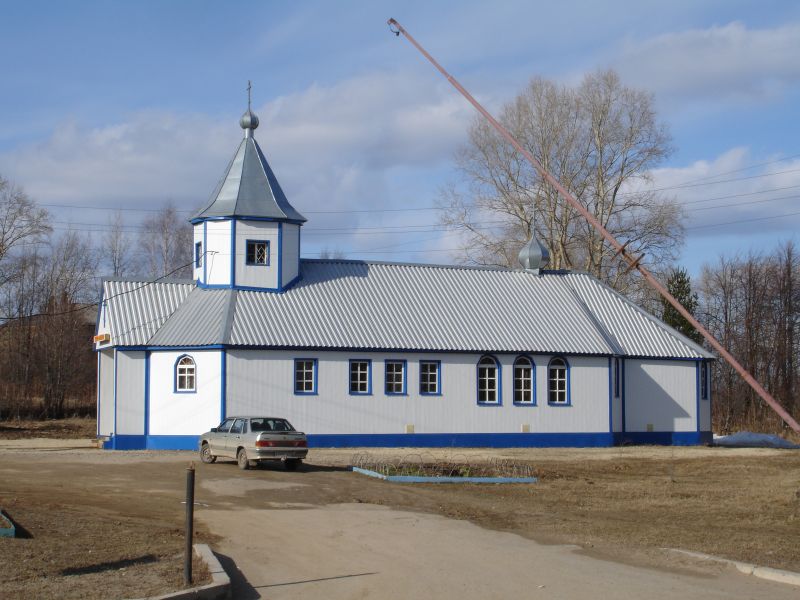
(202, 318)
(137, 309)
(354, 304)
(249, 188)
(636, 332)
(373, 305)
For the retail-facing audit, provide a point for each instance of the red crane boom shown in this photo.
(620, 248)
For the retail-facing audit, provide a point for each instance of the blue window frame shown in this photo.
(360, 377)
(257, 252)
(430, 378)
(305, 376)
(489, 392)
(185, 375)
(524, 381)
(558, 382)
(198, 255)
(616, 378)
(394, 380)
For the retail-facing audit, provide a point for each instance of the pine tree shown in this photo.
(679, 284)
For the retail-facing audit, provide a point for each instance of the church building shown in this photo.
(359, 353)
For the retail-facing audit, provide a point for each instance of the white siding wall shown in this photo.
(662, 394)
(105, 392)
(290, 242)
(218, 253)
(130, 393)
(256, 275)
(261, 382)
(174, 413)
(103, 327)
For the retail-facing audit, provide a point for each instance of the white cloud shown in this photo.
(736, 193)
(338, 147)
(728, 62)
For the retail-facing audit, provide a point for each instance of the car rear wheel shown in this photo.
(241, 458)
(291, 464)
(206, 456)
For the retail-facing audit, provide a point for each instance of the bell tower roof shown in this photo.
(249, 188)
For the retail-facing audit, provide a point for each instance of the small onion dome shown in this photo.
(248, 120)
(534, 255)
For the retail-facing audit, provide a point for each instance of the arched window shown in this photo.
(488, 392)
(523, 380)
(185, 374)
(557, 381)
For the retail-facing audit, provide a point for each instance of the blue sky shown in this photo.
(110, 105)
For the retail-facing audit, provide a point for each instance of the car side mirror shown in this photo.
(213, 430)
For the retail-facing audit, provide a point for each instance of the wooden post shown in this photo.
(187, 558)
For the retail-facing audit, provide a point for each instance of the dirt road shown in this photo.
(327, 532)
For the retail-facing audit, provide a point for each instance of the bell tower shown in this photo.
(248, 236)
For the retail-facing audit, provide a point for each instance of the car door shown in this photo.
(234, 437)
(218, 440)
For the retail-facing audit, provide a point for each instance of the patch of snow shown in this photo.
(748, 439)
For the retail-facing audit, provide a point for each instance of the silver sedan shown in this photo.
(251, 440)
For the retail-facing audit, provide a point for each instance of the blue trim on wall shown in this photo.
(438, 364)
(460, 440)
(404, 391)
(115, 392)
(568, 382)
(292, 282)
(175, 389)
(99, 387)
(245, 288)
(623, 393)
(280, 256)
(350, 375)
(223, 392)
(146, 428)
(205, 249)
(246, 218)
(314, 390)
(173, 348)
(233, 252)
(499, 381)
(665, 438)
(610, 396)
(514, 381)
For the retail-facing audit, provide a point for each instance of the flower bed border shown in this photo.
(435, 479)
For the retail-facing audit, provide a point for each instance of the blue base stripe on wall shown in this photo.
(152, 442)
(461, 440)
(439, 440)
(664, 438)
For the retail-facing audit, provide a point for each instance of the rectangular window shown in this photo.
(257, 252)
(305, 376)
(487, 381)
(616, 378)
(523, 381)
(429, 376)
(703, 381)
(360, 376)
(198, 255)
(395, 377)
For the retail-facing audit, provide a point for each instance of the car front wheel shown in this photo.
(241, 458)
(206, 456)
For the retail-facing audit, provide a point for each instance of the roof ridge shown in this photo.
(390, 263)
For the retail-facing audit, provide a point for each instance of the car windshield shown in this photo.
(264, 424)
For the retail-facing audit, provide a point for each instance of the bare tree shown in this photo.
(167, 244)
(20, 221)
(752, 305)
(600, 140)
(116, 247)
